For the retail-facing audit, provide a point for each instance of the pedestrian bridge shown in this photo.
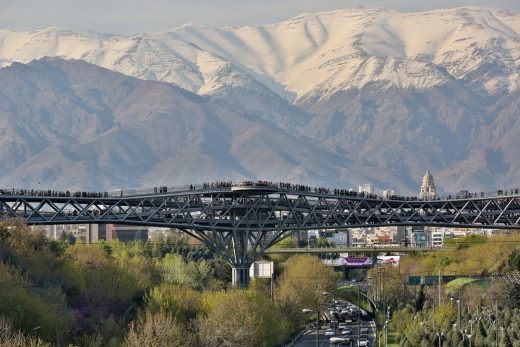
(241, 220)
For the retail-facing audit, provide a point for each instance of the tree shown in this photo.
(389, 277)
(421, 298)
(241, 318)
(9, 337)
(514, 260)
(175, 270)
(158, 329)
(303, 282)
(505, 341)
(284, 243)
(182, 302)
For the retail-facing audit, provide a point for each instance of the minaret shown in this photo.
(428, 191)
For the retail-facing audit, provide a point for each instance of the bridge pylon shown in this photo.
(239, 248)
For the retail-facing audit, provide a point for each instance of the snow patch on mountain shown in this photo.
(309, 54)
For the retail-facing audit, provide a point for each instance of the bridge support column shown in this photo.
(239, 248)
(240, 276)
(240, 260)
(92, 233)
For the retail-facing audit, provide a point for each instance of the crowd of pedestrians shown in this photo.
(259, 184)
(53, 193)
(212, 185)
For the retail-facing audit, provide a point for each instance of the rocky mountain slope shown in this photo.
(67, 124)
(398, 91)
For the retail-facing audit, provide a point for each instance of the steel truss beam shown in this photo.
(241, 225)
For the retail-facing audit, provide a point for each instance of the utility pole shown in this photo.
(440, 335)
(272, 289)
(383, 288)
(386, 325)
(458, 314)
(358, 312)
(439, 303)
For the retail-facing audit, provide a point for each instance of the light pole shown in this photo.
(440, 335)
(469, 337)
(358, 313)
(458, 314)
(386, 325)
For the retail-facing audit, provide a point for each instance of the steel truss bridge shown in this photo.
(241, 221)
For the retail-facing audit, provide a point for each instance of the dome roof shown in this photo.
(428, 186)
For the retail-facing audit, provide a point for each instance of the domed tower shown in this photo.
(428, 191)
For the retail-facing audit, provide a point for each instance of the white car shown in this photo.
(363, 341)
(346, 332)
(342, 325)
(329, 332)
(334, 341)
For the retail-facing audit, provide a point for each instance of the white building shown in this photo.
(428, 191)
(389, 192)
(366, 188)
(437, 237)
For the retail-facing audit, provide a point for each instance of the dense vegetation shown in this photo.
(487, 295)
(165, 293)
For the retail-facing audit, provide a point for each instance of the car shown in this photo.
(346, 332)
(363, 341)
(334, 341)
(342, 325)
(363, 331)
(329, 332)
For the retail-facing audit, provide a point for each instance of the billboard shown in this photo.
(350, 261)
(388, 259)
(261, 269)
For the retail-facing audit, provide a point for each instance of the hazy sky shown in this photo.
(132, 16)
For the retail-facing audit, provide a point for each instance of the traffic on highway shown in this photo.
(341, 324)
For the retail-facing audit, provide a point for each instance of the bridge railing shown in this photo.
(218, 186)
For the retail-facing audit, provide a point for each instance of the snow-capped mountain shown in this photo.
(311, 53)
(398, 91)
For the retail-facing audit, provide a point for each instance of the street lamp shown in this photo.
(468, 336)
(440, 335)
(458, 314)
(308, 310)
(386, 325)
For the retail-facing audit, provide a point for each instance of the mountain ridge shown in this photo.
(402, 91)
(148, 133)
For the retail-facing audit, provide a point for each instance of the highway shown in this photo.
(308, 338)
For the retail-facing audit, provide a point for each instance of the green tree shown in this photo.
(241, 318)
(158, 329)
(303, 282)
(175, 270)
(287, 242)
(9, 337)
(183, 303)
